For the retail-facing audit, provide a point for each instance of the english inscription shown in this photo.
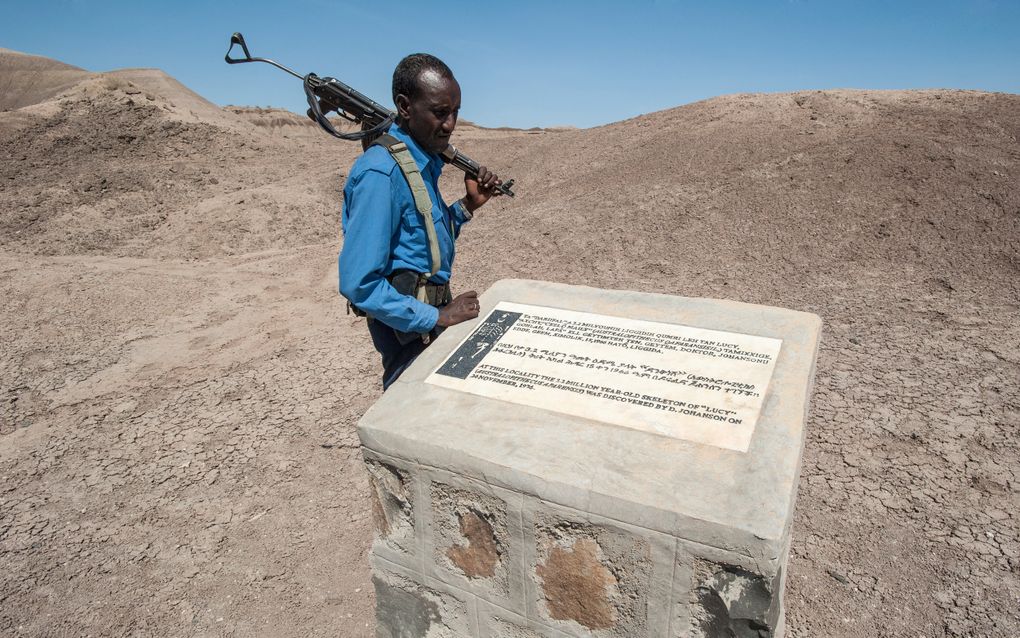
(706, 386)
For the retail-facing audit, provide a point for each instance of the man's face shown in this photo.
(432, 115)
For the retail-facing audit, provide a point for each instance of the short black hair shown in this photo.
(405, 76)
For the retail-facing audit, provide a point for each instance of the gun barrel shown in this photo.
(453, 156)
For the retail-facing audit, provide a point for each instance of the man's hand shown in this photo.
(463, 307)
(480, 190)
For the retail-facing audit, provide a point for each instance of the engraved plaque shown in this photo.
(705, 386)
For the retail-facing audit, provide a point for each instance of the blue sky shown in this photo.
(533, 63)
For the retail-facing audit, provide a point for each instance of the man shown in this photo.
(388, 269)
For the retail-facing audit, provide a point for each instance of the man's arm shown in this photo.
(477, 192)
(373, 222)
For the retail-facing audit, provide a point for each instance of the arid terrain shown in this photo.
(180, 382)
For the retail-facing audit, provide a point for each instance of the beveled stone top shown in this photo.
(577, 405)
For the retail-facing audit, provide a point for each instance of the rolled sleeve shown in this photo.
(460, 215)
(371, 226)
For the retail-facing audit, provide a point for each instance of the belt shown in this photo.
(417, 285)
(437, 295)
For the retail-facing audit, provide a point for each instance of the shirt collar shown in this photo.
(422, 158)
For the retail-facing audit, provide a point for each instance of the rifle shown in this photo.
(374, 118)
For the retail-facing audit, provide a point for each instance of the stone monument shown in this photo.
(583, 462)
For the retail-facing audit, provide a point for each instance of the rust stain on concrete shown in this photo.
(378, 513)
(479, 557)
(576, 585)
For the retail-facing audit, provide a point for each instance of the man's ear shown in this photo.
(403, 106)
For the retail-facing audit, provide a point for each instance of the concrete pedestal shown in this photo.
(520, 517)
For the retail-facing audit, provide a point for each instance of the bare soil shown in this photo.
(180, 383)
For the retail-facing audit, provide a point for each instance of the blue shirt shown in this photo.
(384, 232)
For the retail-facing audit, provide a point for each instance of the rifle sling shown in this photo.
(432, 294)
(402, 156)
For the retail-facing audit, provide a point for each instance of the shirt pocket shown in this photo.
(412, 221)
(415, 223)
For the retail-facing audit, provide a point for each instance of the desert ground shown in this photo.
(181, 383)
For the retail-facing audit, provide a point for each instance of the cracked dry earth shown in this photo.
(181, 384)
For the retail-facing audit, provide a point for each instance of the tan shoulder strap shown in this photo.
(420, 193)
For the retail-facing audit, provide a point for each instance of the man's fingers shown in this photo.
(487, 179)
(467, 302)
(487, 182)
(463, 308)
